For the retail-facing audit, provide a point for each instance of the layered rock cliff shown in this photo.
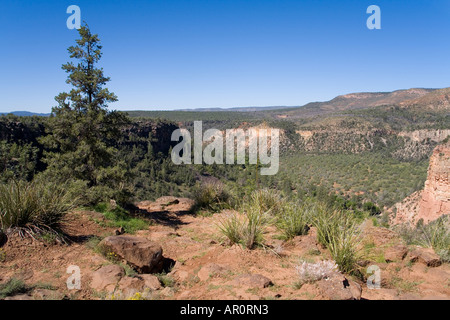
(434, 200)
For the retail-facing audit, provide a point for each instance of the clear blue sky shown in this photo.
(170, 54)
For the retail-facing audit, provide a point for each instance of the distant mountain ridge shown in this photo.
(436, 100)
(239, 109)
(26, 114)
(351, 101)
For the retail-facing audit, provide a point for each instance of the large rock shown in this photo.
(395, 253)
(141, 283)
(106, 278)
(337, 287)
(143, 255)
(425, 256)
(150, 281)
(167, 204)
(180, 275)
(130, 285)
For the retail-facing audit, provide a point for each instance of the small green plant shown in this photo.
(139, 296)
(253, 230)
(93, 244)
(44, 285)
(403, 285)
(129, 271)
(166, 280)
(314, 252)
(340, 234)
(2, 255)
(245, 229)
(118, 217)
(212, 196)
(435, 235)
(232, 228)
(292, 220)
(113, 257)
(34, 208)
(268, 200)
(49, 238)
(13, 287)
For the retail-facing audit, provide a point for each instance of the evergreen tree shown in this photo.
(82, 132)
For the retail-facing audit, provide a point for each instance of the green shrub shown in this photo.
(371, 208)
(246, 229)
(435, 235)
(165, 280)
(253, 229)
(340, 234)
(13, 287)
(118, 217)
(211, 196)
(34, 208)
(268, 200)
(292, 220)
(232, 228)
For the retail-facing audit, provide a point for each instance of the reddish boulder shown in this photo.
(143, 255)
(107, 277)
(425, 256)
(337, 287)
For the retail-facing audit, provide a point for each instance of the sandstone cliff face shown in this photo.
(436, 194)
(434, 200)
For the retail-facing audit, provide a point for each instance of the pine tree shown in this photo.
(82, 132)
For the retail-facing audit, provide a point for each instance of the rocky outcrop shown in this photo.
(426, 256)
(167, 204)
(338, 287)
(112, 279)
(434, 200)
(143, 255)
(395, 253)
(420, 135)
(107, 277)
(406, 211)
